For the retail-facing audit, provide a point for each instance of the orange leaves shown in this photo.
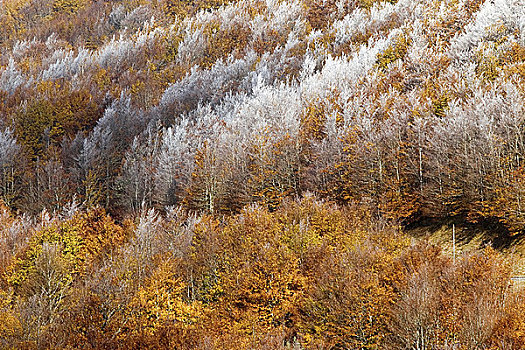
(400, 202)
(308, 274)
(350, 292)
(266, 282)
(267, 42)
(100, 232)
(256, 268)
(445, 303)
(510, 329)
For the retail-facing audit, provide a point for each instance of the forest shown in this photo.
(248, 174)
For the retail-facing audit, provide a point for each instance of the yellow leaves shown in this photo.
(313, 121)
(183, 8)
(394, 52)
(160, 301)
(515, 54)
(137, 87)
(488, 65)
(324, 224)
(256, 277)
(56, 111)
(68, 6)
(351, 279)
(27, 265)
(102, 79)
(348, 308)
(266, 258)
(79, 241)
(311, 271)
(10, 325)
(223, 42)
(10, 17)
(440, 105)
(93, 190)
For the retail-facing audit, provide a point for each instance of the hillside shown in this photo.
(414, 108)
(219, 174)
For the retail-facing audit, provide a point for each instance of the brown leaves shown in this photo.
(308, 273)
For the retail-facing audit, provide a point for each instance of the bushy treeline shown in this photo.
(308, 275)
(414, 106)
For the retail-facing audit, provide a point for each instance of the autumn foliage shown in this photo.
(220, 174)
(310, 274)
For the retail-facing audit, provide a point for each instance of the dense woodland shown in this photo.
(218, 174)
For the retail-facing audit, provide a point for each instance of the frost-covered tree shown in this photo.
(140, 170)
(103, 151)
(11, 163)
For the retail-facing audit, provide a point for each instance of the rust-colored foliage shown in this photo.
(394, 113)
(309, 274)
